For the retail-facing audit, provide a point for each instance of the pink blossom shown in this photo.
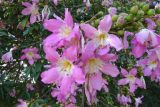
(88, 3)
(143, 39)
(7, 57)
(101, 37)
(107, 3)
(94, 66)
(31, 54)
(138, 101)
(29, 87)
(55, 2)
(131, 79)
(31, 9)
(150, 24)
(124, 100)
(151, 65)
(112, 11)
(64, 73)
(12, 93)
(22, 103)
(62, 30)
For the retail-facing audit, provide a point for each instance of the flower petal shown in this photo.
(33, 18)
(88, 30)
(26, 11)
(53, 25)
(123, 81)
(115, 42)
(49, 76)
(110, 69)
(78, 75)
(133, 71)
(105, 23)
(68, 18)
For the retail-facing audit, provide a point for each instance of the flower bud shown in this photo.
(120, 32)
(134, 9)
(145, 7)
(129, 17)
(100, 13)
(114, 18)
(151, 12)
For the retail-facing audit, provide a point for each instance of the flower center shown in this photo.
(101, 38)
(93, 65)
(65, 31)
(65, 66)
(30, 54)
(153, 64)
(131, 78)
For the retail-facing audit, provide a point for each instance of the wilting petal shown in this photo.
(133, 71)
(105, 23)
(26, 11)
(111, 70)
(123, 81)
(78, 75)
(68, 18)
(53, 25)
(97, 81)
(33, 19)
(125, 39)
(115, 42)
(88, 30)
(49, 76)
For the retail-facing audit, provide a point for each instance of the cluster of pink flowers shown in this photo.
(80, 54)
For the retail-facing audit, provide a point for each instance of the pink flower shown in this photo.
(150, 24)
(151, 65)
(124, 100)
(7, 57)
(125, 39)
(94, 66)
(101, 37)
(143, 39)
(31, 54)
(112, 11)
(55, 2)
(62, 30)
(31, 9)
(64, 72)
(22, 103)
(138, 101)
(131, 79)
(107, 3)
(12, 93)
(29, 87)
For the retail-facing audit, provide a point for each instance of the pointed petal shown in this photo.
(123, 81)
(71, 53)
(97, 81)
(124, 72)
(26, 11)
(115, 42)
(133, 71)
(88, 30)
(111, 70)
(49, 76)
(132, 88)
(139, 83)
(26, 4)
(53, 25)
(65, 86)
(78, 75)
(68, 18)
(33, 19)
(105, 23)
